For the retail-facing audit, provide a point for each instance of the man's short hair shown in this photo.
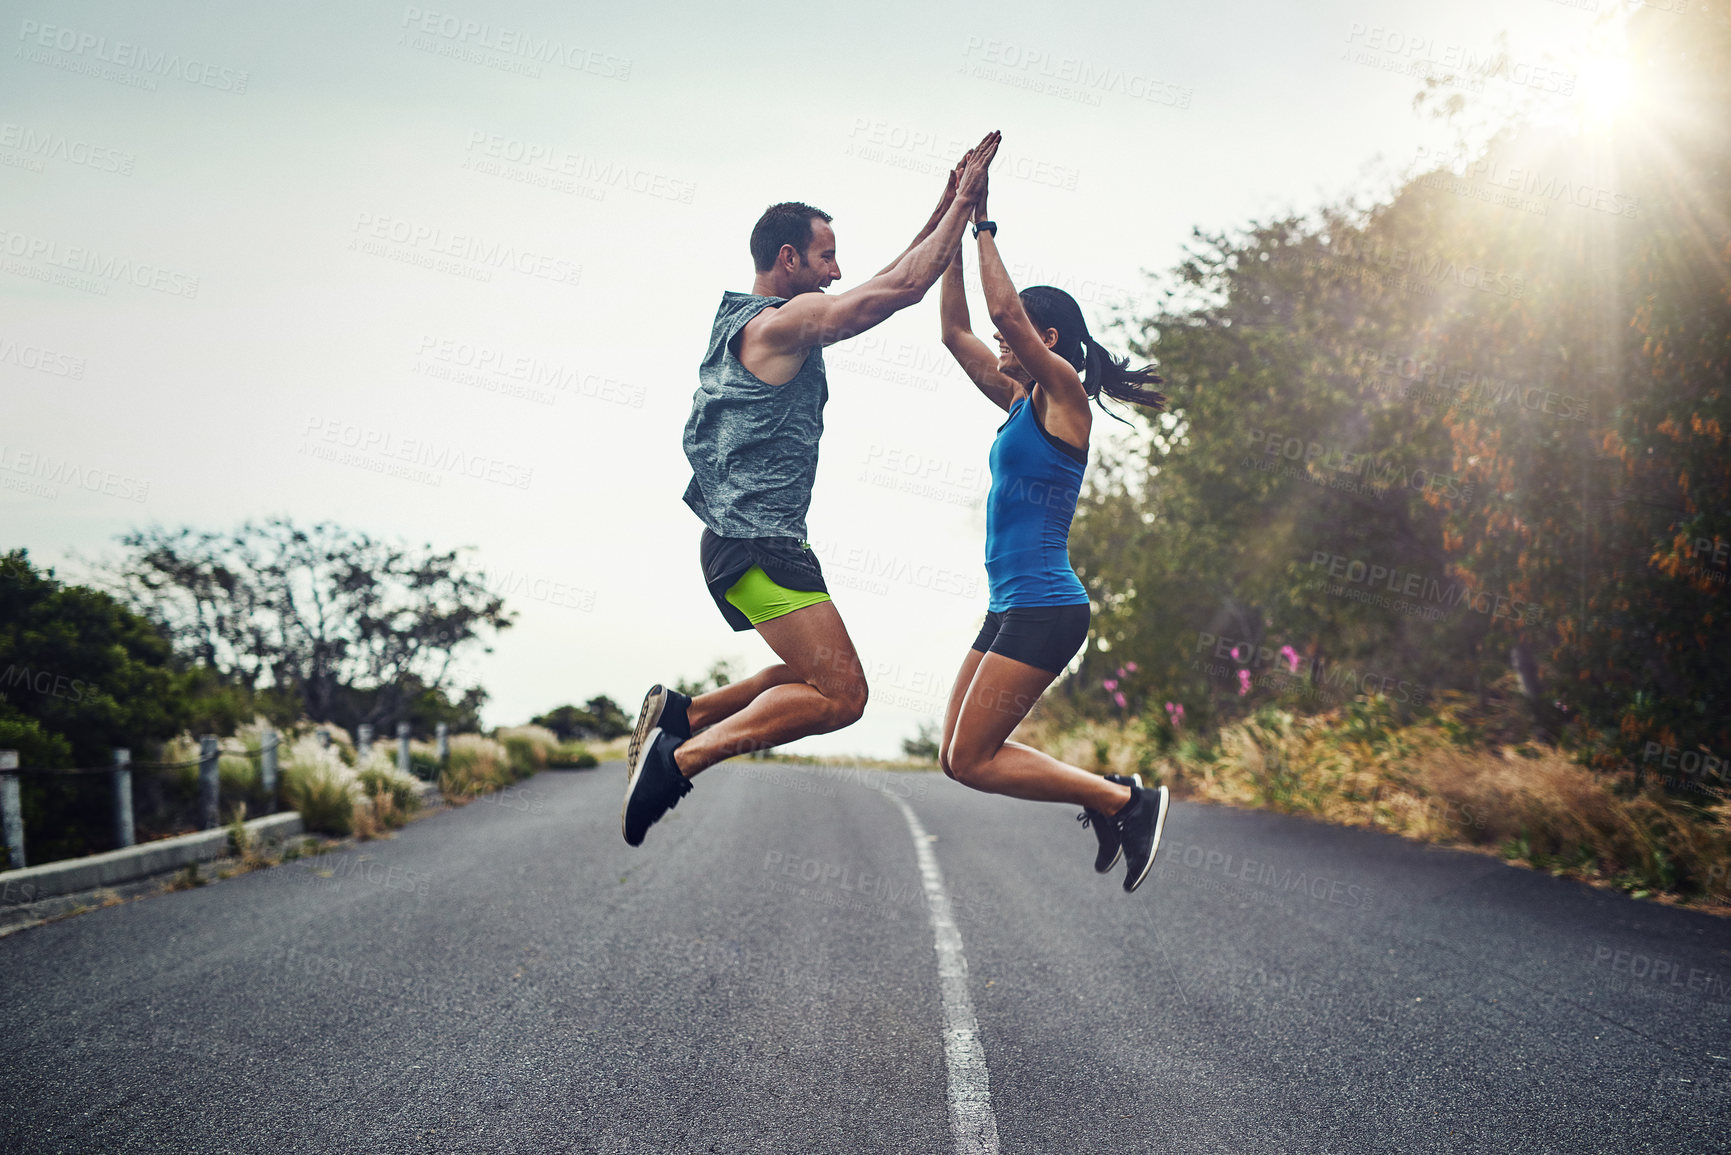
(788, 223)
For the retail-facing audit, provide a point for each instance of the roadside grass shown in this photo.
(1447, 777)
(915, 765)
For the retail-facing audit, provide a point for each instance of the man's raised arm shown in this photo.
(816, 319)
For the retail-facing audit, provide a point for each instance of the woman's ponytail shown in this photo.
(1109, 376)
(1103, 375)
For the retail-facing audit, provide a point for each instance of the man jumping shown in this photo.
(752, 442)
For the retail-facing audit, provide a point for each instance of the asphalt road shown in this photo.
(764, 976)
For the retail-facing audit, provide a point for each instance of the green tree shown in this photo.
(600, 717)
(1508, 409)
(79, 675)
(346, 627)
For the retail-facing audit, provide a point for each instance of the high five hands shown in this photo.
(967, 181)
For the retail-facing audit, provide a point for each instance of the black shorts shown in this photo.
(788, 561)
(1046, 637)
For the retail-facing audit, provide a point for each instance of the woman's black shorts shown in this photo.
(1043, 636)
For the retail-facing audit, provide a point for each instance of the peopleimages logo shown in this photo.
(431, 241)
(123, 54)
(41, 360)
(45, 682)
(1405, 583)
(514, 42)
(46, 145)
(1387, 475)
(561, 162)
(113, 267)
(1432, 267)
(1318, 677)
(1453, 384)
(1265, 874)
(1089, 78)
(386, 447)
(64, 471)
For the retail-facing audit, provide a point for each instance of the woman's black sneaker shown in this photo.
(661, 707)
(654, 788)
(1139, 825)
(1105, 829)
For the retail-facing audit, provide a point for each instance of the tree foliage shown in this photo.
(600, 717)
(79, 673)
(347, 627)
(1480, 425)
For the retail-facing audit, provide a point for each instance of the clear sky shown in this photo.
(274, 259)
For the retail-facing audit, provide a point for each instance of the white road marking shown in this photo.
(971, 1118)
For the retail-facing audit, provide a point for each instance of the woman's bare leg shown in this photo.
(953, 711)
(1000, 695)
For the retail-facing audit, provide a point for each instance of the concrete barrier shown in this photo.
(116, 866)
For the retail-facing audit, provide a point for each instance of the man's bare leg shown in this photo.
(708, 709)
(826, 691)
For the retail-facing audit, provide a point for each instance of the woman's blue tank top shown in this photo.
(1036, 480)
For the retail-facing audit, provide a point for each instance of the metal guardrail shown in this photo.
(209, 755)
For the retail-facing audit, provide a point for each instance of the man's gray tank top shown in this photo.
(752, 446)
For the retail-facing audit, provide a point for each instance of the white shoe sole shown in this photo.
(631, 782)
(648, 718)
(1159, 828)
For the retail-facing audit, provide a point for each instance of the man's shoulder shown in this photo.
(733, 298)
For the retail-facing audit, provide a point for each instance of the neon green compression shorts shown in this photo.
(757, 596)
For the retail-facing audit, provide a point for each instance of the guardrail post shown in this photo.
(403, 762)
(208, 782)
(123, 835)
(363, 742)
(267, 769)
(11, 810)
(444, 736)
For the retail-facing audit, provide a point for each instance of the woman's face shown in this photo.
(1010, 365)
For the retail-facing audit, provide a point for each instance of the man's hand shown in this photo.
(943, 202)
(971, 189)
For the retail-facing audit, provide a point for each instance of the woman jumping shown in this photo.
(1037, 617)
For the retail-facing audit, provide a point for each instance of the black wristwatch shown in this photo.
(988, 226)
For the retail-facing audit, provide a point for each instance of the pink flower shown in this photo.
(1291, 656)
(1119, 698)
(1243, 682)
(1110, 683)
(1175, 711)
(1235, 649)
(1131, 666)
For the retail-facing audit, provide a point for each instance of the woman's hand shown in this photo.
(972, 187)
(980, 204)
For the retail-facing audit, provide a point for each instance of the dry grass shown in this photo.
(477, 765)
(612, 750)
(1356, 766)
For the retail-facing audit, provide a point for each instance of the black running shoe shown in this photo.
(1105, 829)
(1139, 825)
(654, 788)
(661, 707)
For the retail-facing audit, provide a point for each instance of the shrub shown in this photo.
(528, 748)
(393, 793)
(478, 765)
(1449, 777)
(574, 756)
(318, 783)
